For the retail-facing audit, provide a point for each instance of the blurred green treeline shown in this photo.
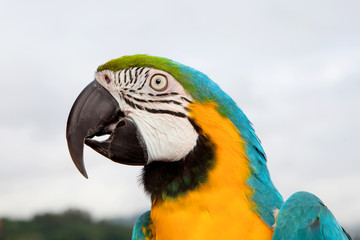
(76, 224)
(70, 225)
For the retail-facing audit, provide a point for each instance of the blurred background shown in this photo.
(292, 66)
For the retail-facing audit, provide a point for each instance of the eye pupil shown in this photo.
(158, 82)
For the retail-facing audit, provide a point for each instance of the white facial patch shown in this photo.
(160, 113)
(167, 138)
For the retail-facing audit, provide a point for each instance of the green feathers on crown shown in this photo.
(199, 85)
(180, 72)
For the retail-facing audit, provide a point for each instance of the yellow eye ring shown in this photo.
(158, 82)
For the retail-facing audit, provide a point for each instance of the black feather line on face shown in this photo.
(125, 77)
(131, 75)
(150, 100)
(159, 111)
(143, 84)
(141, 69)
(172, 179)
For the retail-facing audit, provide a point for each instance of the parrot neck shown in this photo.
(172, 179)
(220, 207)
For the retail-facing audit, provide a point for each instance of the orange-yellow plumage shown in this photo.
(221, 207)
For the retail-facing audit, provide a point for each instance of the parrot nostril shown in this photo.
(107, 79)
(120, 124)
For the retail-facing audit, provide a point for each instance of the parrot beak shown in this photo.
(96, 113)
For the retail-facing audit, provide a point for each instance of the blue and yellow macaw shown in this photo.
(204, 167)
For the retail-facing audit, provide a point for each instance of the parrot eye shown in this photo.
(158, 82)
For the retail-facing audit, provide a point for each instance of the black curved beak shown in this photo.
(96, 113)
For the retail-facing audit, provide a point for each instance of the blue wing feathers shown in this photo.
(304, 216)
(141, 228)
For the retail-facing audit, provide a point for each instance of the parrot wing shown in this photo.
(304, 216)
(142, 228)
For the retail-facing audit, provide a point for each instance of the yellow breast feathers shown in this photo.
(220, 208)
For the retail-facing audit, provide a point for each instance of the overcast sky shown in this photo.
(292, 66)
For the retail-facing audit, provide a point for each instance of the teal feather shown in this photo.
(142, 223)
(304, 216)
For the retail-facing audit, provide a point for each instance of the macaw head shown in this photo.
(163, 115)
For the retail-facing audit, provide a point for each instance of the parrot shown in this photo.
(203, 166)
